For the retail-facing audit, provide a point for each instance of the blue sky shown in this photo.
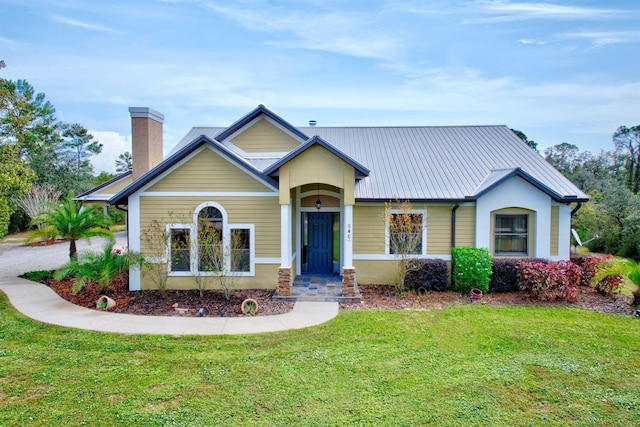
(558, 70)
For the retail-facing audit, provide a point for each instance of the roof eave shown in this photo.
(120, 198)
(103, 185)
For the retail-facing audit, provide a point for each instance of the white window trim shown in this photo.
(387, 233)
(252, 249)
(169, 228)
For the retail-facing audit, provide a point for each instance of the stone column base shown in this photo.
(284, 281)
(349, 282)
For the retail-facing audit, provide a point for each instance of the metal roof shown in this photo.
(434, 162)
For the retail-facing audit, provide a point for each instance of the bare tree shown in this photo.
(220, 259)
(404, 238)
(37, 200)
(155, 239)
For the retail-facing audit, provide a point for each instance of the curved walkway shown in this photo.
(41, 303)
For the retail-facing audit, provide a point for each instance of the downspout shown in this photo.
(453, 236)
(576, 209)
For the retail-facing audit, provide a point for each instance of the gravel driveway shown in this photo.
(16, 259)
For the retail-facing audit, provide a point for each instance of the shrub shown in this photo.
(504, 276)
(550, 282)
(430, 274)
(100, 267)
(471, 268)
(610, 284)
(590, 265)
(38, 275)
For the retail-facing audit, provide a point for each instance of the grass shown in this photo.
(469, 365)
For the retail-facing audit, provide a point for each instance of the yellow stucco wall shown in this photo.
(266, 278)
(263, 137)
(555, 230)
(208, 171)
(466, 226)
(317, 165)
(375, 272)
(369, 228)
(263, 212)
(115, 187)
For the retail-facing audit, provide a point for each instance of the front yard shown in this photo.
(463, 365)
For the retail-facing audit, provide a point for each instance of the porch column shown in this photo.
(348, 270)
(348, 236)
(284, 272)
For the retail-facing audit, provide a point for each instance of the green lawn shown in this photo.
(466, 365)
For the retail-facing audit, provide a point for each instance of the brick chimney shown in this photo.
(146, 139)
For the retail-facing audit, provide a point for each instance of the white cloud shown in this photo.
(603, 38)
(83, 25)
(347, 33)
(113, 144)
(505, 11)
(530, 41)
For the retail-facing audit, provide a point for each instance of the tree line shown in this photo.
(38, 150)
(611, 178)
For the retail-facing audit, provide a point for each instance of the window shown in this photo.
(511, 235)
(179, 249)
(240, 250)
(406, 233)
(210, 248)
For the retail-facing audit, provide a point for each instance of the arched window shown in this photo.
(210, 238)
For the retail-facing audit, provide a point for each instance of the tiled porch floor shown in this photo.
(318, 287)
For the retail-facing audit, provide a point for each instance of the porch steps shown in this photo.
(323, 288)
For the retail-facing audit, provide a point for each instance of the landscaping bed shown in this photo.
(152, 303)
(373, 297)
(384, 297)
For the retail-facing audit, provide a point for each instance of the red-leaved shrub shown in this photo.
(550, 282)
(590, 265)
(610, 284)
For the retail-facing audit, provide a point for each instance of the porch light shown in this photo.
(318, 202)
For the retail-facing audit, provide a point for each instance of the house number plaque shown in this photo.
(349, 232)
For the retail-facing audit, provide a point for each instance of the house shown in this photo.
(311, 200)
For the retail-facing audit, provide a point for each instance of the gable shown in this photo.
(208, 171)
(317, 164)
(264, 137)
(115, 187)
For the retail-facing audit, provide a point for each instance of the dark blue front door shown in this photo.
(320, 243)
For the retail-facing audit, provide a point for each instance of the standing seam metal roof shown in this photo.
(428, 163)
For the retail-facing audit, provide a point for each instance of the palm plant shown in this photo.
(71, 220)
(101, 267)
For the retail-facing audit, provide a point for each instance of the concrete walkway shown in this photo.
(39, 302)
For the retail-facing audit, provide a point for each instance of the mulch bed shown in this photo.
(152, 303)
(384, 297)
(373, 297)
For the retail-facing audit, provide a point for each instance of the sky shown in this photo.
(557, 70)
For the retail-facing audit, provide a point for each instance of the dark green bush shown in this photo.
(471, 268)
(429, 274)
(504, 276)
(38, 275)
